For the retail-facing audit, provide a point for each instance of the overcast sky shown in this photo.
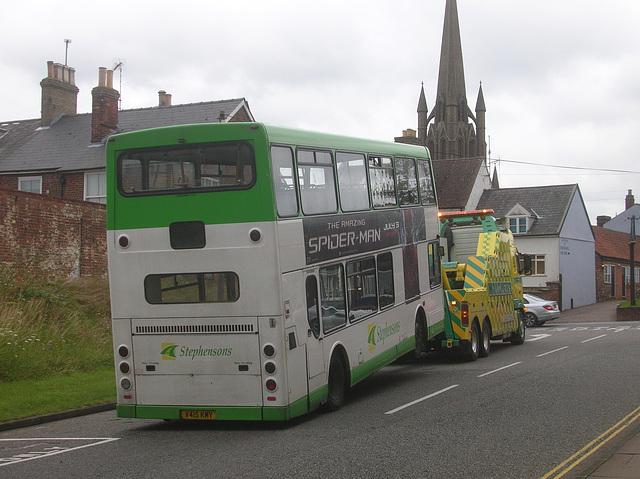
(561, 78)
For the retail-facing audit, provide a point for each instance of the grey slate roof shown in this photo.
(454, 179)
(14, 134)
(66, 144)
(550, 203)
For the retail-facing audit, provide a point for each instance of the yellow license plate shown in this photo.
(199, 415)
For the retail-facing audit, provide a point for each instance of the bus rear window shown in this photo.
(183, 288)
(189, 168)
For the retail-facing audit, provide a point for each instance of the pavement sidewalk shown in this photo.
(621, 458)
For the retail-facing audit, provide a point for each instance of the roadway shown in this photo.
(519, 413)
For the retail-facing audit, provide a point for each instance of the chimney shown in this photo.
(59, 93)
(409, 133)
(164, 98)
(629, 200)
(104, 110)
(601, 220)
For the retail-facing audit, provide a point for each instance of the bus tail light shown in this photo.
(271, 384)
(255, 235)
(464, 314)
(269, 351)
(123, 241)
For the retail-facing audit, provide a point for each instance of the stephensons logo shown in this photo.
(378, 334)
(172, 351)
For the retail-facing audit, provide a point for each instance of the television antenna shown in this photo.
(119, 66)
(66, 50)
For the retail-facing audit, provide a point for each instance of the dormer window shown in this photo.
(520, 219)
(518, 225)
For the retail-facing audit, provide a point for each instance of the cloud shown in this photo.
(560, 78)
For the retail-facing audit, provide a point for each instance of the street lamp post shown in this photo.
(632, 261)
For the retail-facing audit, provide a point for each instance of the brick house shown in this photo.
(63, 153)
(52, 170)
(613, 267)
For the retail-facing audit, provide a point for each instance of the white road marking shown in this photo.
(551, 352)
(51, 451)
(593, 339)
(499, 369)
(620, 328)
(400, 408)
(536, 337)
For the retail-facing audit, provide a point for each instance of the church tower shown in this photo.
(454, 135)
(447, 131)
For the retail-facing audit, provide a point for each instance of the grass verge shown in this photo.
(35, 397)
(55, 344)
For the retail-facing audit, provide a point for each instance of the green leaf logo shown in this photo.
(371, 340)
(168, 350)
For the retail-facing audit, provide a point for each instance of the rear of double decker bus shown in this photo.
(193, 266)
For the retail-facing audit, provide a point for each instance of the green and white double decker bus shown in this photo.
(258, 272)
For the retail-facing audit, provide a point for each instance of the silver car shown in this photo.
(539, 310)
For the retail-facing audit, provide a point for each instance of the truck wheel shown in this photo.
(518, 336)
(472, 348)
(485, 344)
(337, 384)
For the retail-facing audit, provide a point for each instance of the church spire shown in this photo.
(451, 94)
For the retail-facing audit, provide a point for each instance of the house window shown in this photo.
(626, 271)
(518, 225)
(30, 184)
(538, 264)
(637, 276)
(608, 269)
(95, 187)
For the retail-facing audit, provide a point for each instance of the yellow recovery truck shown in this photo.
(482, 284)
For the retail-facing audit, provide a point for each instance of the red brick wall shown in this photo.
(603, 290)
(66, 185)
(550, 292)
(53, 235)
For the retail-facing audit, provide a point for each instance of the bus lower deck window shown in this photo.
(192, 288)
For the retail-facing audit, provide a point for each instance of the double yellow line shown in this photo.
(568, 465)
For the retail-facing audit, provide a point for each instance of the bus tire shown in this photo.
(472, 348)
(337, 383)
(519, 336)
(485, 343)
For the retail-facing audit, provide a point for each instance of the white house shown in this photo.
(551, 224)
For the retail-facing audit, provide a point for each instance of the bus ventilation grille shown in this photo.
(194, 328)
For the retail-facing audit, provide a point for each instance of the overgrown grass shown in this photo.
(52, 328)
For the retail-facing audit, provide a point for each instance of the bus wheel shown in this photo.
(337, 384)
(421, 336)
(472, 348)
(485, 344)
(518, 336)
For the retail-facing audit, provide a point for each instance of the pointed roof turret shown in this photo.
(422, 101)
(480, 102)
(495, 184)
(423, 112)
(451, 86)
